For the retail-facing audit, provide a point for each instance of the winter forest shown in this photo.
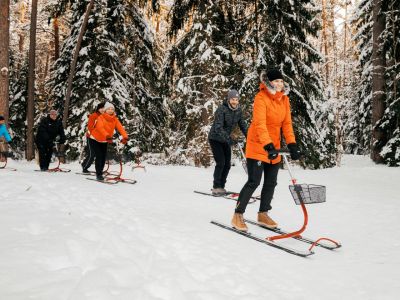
(167, 65)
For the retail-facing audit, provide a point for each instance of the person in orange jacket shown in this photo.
(90, 154)
(102, 133)
(271, 116)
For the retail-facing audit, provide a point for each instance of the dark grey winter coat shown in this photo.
(48, 130)
(225, 121)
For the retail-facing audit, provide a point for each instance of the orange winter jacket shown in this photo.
(92, 122)
(271, 114)
(105, 127)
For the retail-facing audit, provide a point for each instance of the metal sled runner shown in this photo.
(302, 194)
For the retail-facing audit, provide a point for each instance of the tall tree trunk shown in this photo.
(30, 113)
(332, 26)
(378, 80)
(56, 39)
(325, 39)
(256, 39)
(344, 56)
(46, 66)
(4, 56)
(74, 61)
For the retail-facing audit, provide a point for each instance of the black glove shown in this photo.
(295, 153)
(232, 142)
(272, 152)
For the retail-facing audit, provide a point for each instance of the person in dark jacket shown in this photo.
(50, 128)
(90, 155)
(226, 118)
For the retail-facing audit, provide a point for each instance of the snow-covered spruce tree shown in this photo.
(141, 56)
(200, 69)
(390, 122)
(280, 39)
(116, 63)
(358, 110)
(18, 99)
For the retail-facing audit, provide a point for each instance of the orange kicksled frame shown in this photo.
(4, 156)
(304, 194)
(118, 177)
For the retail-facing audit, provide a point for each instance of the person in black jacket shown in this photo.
(226, 118)
(50, 128)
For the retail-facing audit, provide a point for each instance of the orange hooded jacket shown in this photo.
(271, 113)
(92, 122)
(105, 127)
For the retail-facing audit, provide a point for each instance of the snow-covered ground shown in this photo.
(64, 237)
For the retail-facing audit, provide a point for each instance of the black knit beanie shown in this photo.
(100, 105)
(274, 74)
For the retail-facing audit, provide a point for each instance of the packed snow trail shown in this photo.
(63, 237)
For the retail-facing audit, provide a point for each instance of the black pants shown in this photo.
(45, 153)
(255, 170)
(100, 151)
(90, 154)
(222, 157)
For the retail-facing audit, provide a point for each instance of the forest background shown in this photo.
(167, 65)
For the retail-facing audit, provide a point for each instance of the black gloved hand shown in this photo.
(295, 152)
(272, 152)
(232, 142)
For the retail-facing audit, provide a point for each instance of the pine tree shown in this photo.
(200, 69)
(117, 64)
(141, 55)
(358, 110)
(18, 101)
(359, 120)
(390, 122)
(281, 40)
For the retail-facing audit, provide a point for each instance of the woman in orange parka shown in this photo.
(102, 133)
(271, 115)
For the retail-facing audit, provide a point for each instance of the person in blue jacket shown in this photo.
(4, 135)
(3, 130)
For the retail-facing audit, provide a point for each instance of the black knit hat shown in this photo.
(274, 74)
(100, 105)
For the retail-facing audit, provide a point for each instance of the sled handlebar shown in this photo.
(284, 152)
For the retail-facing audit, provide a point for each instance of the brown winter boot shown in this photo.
(265, 220)
(238, 222)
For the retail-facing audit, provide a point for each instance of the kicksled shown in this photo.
(114, 178)
(302, 194)
(228, 195)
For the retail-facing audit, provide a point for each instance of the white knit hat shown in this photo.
(108, 105)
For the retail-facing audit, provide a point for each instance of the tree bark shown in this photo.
(74, 61)
(325, 39)
(378, 81)
(30, 112)
(56, 39)
(4, 56)
(334, 51)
